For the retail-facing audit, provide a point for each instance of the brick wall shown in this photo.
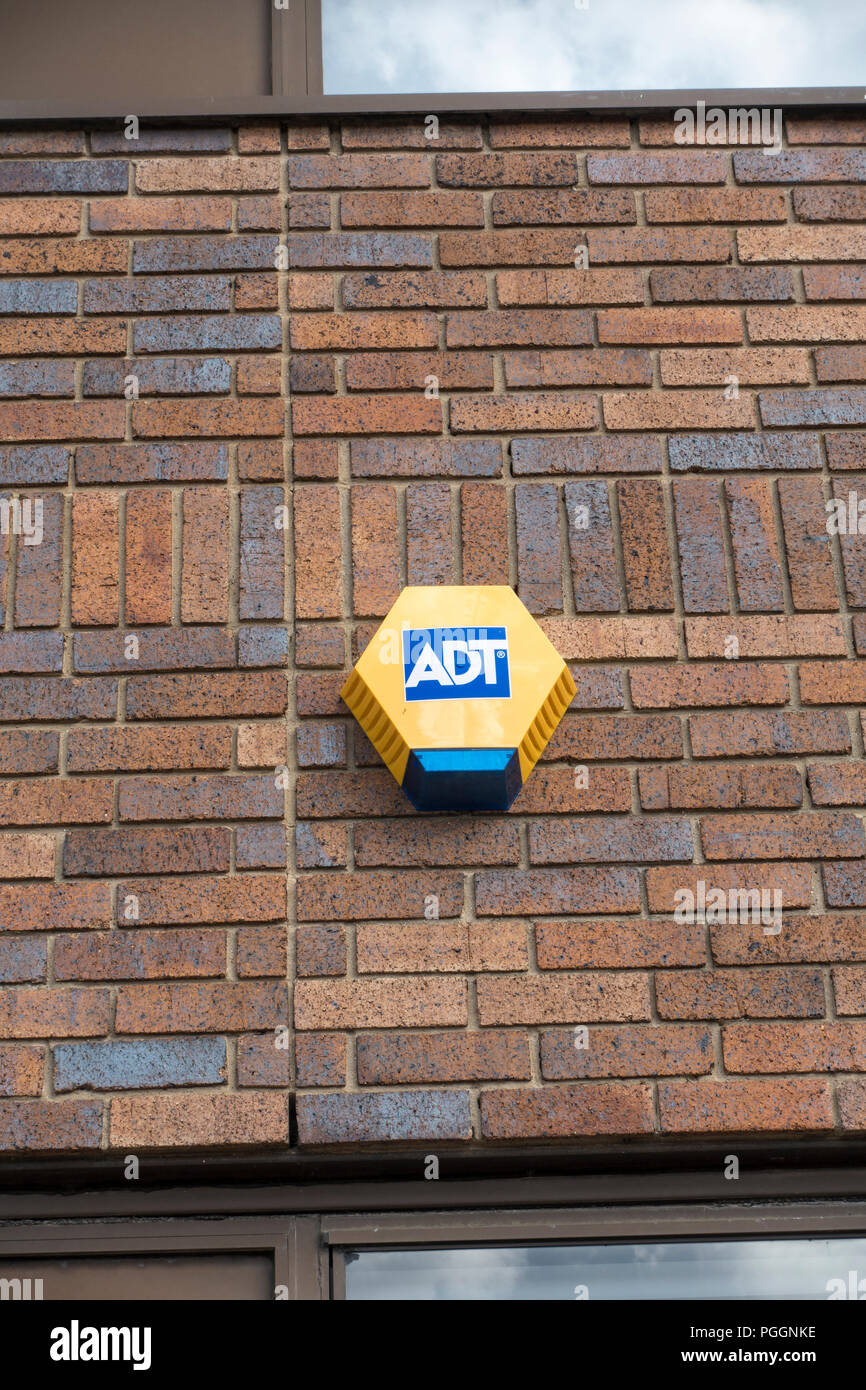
(171, 380)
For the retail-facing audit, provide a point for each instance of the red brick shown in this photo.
(411, 1003)
(730, 1106)
(95, 597)
(676, 410)
(148, 556)
(228, 1006)
(566, 1111)
(54, 1013)
(139, 955)
(22, 1071)
(366, 415)
(484, 533)
(205, 175)
(389, 1059)
(716, 994)
(169, 901)
(375, 560)
(792, 881)
(628, 1051)
(658, 687)
(605, 944)
(204, 579)
(205, 1121)
(410, 209)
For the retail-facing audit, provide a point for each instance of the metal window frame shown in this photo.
(309, 1251)
(292, 1242)
(602, 1225)
(297, 89)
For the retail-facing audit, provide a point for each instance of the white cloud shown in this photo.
(551, 45)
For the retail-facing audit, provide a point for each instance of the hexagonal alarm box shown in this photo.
(459, 691)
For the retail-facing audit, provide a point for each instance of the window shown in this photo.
(590, 45)
(669, 1271)
(176, 58)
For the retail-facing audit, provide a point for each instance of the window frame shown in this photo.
(662, 1224)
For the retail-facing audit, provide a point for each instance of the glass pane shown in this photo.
(751, 1269)
(405, 46)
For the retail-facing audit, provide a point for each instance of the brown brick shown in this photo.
(410, 209)
(26, 856)
(627, 246)
(484, 533)
(566, 1111)
(204, 580)
(729, 1106)
(206, 175)
(95, 558)
(751, 366)
(714, 205)
(753, 734)
(593, 738)
(71, 1125)
(389, 1059)
(411, 1003)
(329, 897)
(807, 546)
(262, 1063)
(629, 1051)
(147, 750)
(428, 533)
(833, 683)
(227, 1006)
(766, 636)
(576, 945)
(139, 955)
(546, 132)
(658, 687)
(792, 881)
(786, 1047)
(128, 215)
(169, 901)
(206, 1121)
(54, 1013)
(726, 787)
(366, 415)
(717, 994)
(110, 852)
(807, 324)
(500, 893)
(517, 287)
(676, 410)
(148, 556)
(375, 560)
(39, 216)
(358, 171)
(22, 1071)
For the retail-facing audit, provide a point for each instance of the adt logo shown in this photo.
(456, 663)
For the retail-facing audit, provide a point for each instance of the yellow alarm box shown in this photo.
(459, 691)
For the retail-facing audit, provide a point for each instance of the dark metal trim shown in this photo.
(598, 1223)
(94, 111)
(381, 1181)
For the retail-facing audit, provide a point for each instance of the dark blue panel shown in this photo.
(462, 779)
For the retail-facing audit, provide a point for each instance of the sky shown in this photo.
(404, 46)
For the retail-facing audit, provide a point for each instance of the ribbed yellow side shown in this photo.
(382, 733)
(540, 730)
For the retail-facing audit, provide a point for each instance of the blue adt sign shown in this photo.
(450, 663)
